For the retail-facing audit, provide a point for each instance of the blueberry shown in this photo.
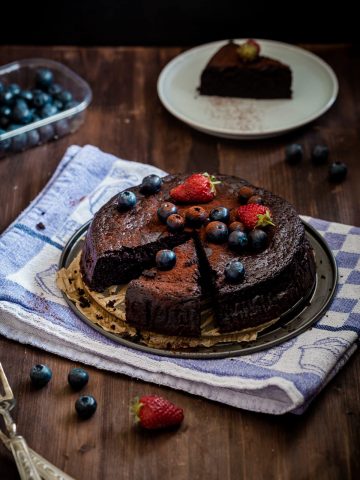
(1, 87)
(48, 110)
(47, 133)
(62, 128)
(151, 184)
(219, 214)
(78, 378)
(234, 271)
(54, 89)
(126, 200)
(237, 226)
(216, 232)
(195, 216)
(6, 97)
(256, 199)
(293, 153)
(320, 154)
(33, 138)
(175, 222)
(165, 210)
(44, 78)
(5, 111)
(59, 105)
(4, 144)
(238, 240)
(71, 104)
(21, 112)
(337, 172)
(64, 96)
(40, 98)
(165, 259)
(26, 95)
(85, 406)
(40, 375)
(19, 143)
(245, 193)
(258, 239)
(14, 89)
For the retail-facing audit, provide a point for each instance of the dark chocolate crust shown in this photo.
(119, 246)
(226, 75)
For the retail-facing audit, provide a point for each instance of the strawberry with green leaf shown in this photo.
(199, 188)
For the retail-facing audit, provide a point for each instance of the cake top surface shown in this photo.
(227, 57)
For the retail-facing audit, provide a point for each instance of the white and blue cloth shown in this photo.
(32, 310)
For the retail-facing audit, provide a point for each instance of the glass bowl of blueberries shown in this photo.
(40, 100)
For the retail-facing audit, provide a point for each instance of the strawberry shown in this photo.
(199, 188)
(153, 412)
(254, 215)
(249, 51)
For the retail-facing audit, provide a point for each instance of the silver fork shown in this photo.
(18, 445)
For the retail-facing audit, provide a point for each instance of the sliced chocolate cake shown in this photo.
(174, 296)
(250, 279)
(240, 71)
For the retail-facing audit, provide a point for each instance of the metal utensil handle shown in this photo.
(24, 463)
(47, 470)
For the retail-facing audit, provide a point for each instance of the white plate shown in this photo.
(315, 88)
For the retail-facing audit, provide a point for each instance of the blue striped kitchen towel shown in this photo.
(32, 310)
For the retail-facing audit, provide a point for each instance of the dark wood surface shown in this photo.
(216, 441)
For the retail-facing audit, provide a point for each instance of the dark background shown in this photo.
(173, 22)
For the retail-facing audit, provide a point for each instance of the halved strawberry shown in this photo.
(199, 188)
(253, 215)
(153, 412)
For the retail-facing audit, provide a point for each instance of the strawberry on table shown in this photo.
(154, 412)
(253, 215)
(199, 188)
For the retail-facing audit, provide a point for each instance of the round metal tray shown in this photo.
(292, 323)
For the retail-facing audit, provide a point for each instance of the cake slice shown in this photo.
(168, 302)
(240, 71)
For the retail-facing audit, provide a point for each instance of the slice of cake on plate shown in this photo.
(238, 70)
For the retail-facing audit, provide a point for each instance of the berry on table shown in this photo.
(175, 222)
(253, 215)
(154, 412)
(219, 214)
(126, 200)
(40, 98)
(165, 210)
(216, 232)
(54, 89)
(238, 240)
(293, 153)
(150, 184)
(258, 239)
(47, 132)
(20, 142)
(26, 95)
(64, 96)
(40, 375)
(320, 154)
(33, 138)
(6, 97)
(199, 187)
(85, 406)
(234, 271)
(14, 89)
(78, 378)
(165, 259)
(337, 172)
(245, 193)
(195, 216)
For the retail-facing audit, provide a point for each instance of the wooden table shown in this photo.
(216, 441)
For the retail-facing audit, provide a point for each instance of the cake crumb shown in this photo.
(40, 226)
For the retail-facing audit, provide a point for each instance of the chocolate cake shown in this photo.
(121, 246)
(228, 75)
(174, 296)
